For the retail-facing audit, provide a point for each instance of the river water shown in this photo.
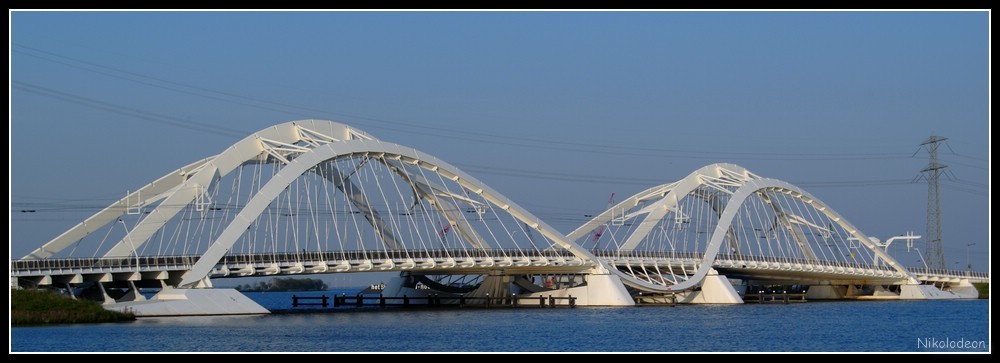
(851, 326)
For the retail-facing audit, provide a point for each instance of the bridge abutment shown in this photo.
(186, 302)
(931, 292)
(965, 290)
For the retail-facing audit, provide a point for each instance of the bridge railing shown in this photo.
(153, 262)
(639, 254)
(285, 257)
(181, 262)
(952, 273)
(103, 263)
(683, 255)
(804, 261)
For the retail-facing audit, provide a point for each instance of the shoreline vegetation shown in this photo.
(289, 284)
(984, 289)
(43, 307)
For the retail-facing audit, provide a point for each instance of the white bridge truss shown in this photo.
(315, 196)
(723, 212)
(307, 187)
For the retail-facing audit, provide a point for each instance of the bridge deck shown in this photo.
(471, 262)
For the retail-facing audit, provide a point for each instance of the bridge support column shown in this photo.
(132, 294)
(715, 289)
(69, 291)
(205, 283)
(107, 299)
(601, 289)
(494, 284)
(826, 292)
(854, 291)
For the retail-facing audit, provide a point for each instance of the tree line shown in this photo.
(285, 284)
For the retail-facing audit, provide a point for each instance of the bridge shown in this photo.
(321, 197)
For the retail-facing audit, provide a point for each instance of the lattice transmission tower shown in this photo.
(933, 171)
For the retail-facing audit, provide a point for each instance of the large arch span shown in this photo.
(183, 186)
(309, 186)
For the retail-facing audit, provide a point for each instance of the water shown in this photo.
(861, 326)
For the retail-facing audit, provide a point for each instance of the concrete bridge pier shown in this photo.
(826, 292)
(715, 289)
(132, 294)
(185, 302)
(600, 289)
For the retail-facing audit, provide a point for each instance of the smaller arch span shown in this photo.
(741, 191)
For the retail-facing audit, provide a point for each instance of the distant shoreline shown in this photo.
(289, 284)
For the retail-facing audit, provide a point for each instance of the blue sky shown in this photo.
(555, 110)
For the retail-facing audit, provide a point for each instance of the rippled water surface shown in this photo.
(813, 326)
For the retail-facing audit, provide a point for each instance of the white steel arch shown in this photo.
(277, 142)
(151, 193)
(723, 177)
(754, 186)
(318, 155)
(669, 195)
(294, 148)
(183, 186)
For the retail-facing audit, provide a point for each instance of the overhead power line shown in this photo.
(472, 136)
(128, 111)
